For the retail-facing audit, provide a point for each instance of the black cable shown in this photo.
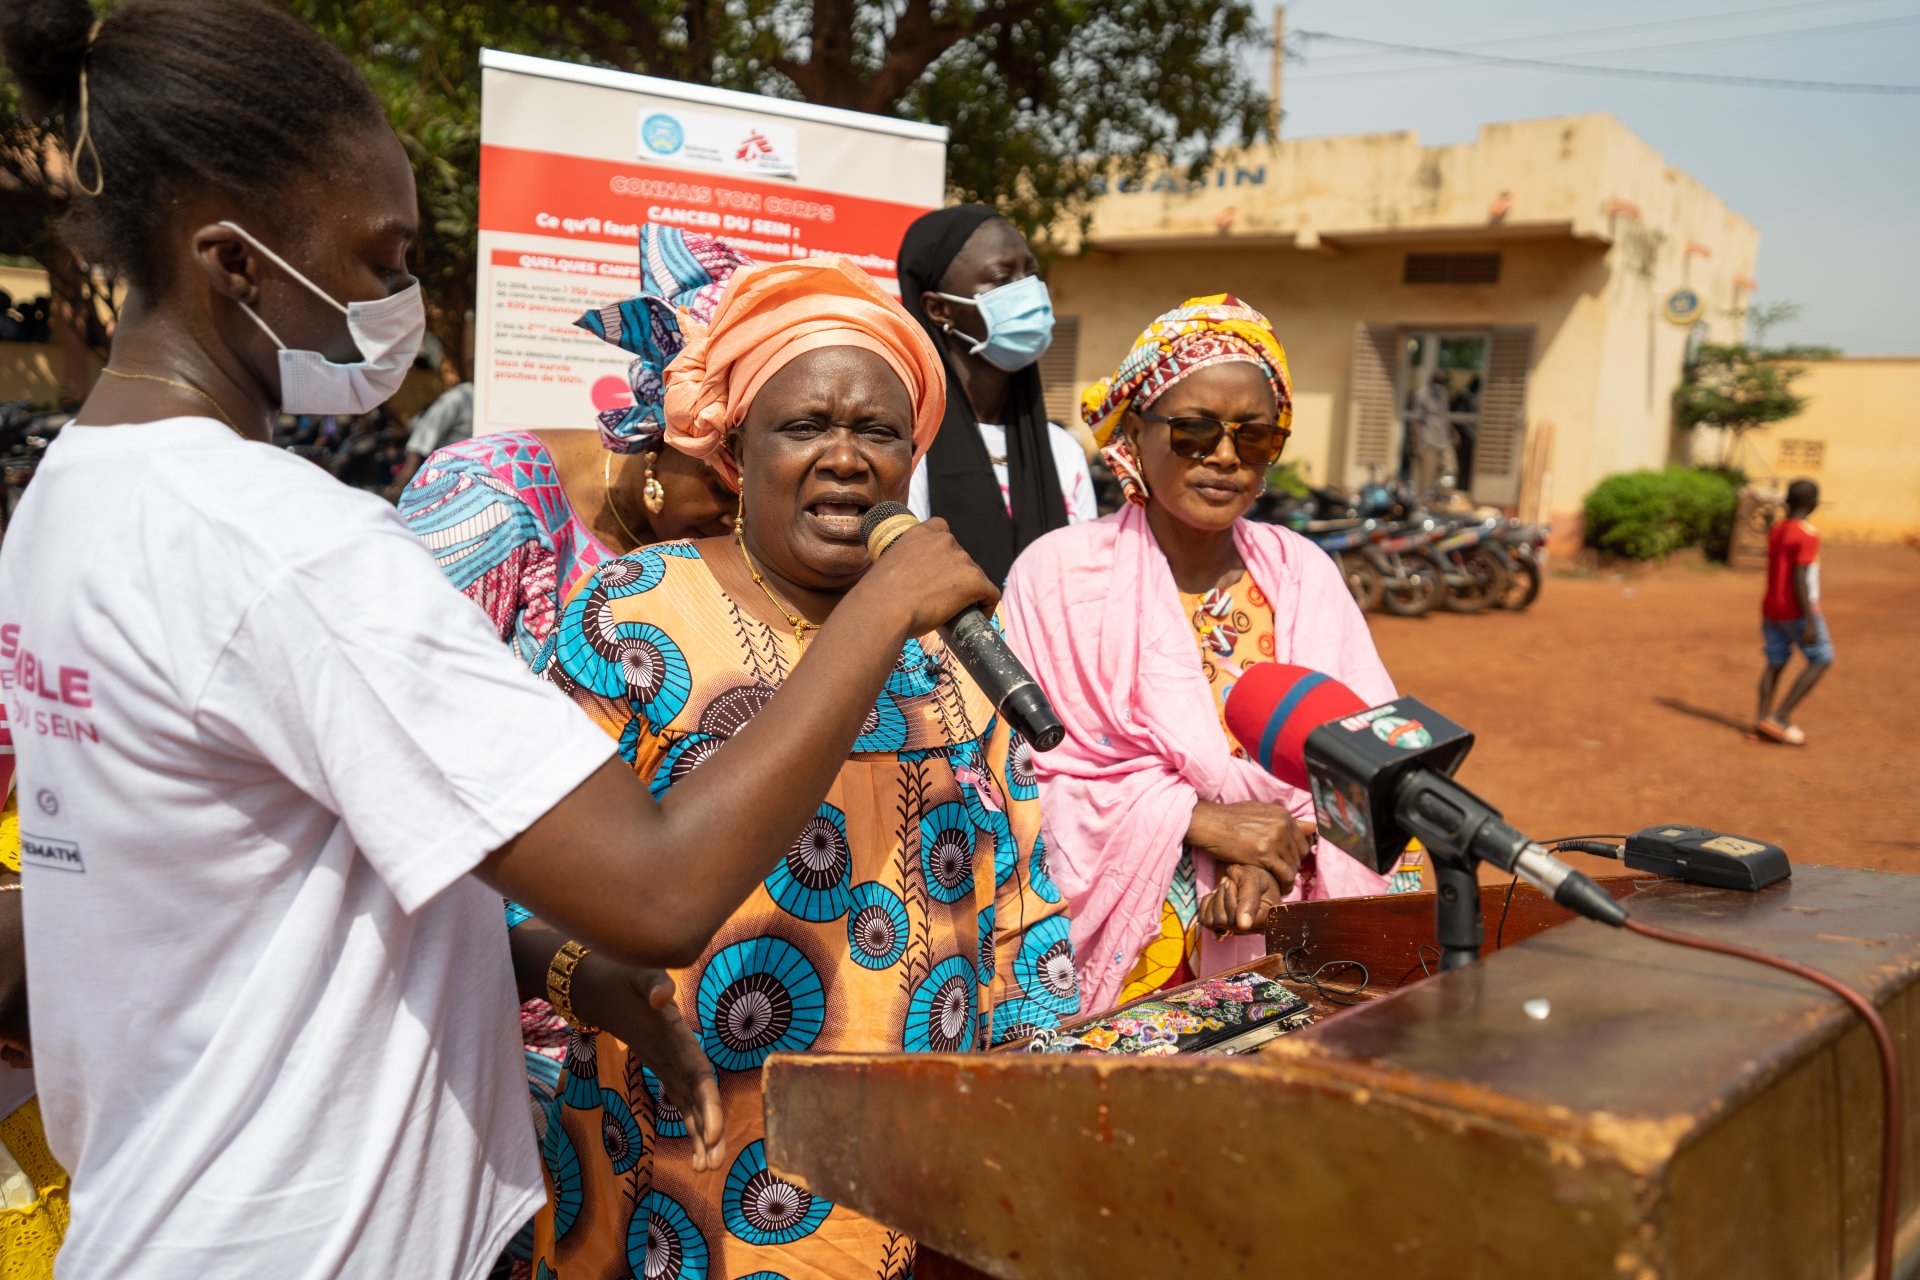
(1692, 20)
(1555, 846)
(1627, 73)
(1332, 995)
(1556, 57)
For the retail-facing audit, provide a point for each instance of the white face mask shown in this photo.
(387, 332)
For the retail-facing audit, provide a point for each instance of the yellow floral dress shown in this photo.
(33, 1186)
(1234, 628)
(913, 914)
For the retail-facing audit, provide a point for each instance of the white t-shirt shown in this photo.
(261, 743)
(1069, 463)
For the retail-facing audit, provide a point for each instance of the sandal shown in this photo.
(1791, 735)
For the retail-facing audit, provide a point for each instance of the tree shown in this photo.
(1042, 97)
(1741, 387)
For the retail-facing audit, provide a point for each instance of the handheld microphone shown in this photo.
(980, 648)
(1380, 776)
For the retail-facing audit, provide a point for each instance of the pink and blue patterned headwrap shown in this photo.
(679, 273)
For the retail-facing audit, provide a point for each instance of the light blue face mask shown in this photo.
(1019, 320)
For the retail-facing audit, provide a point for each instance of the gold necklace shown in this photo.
(184, 386)
(606, 484)
(799, 624)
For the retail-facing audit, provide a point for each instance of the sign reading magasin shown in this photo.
(574, 160)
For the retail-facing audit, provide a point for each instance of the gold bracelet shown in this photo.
(11, 888)
(560, 985)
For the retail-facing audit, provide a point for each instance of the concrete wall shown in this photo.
(1864, 415)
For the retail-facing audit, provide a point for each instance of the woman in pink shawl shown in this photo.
(1159, 829)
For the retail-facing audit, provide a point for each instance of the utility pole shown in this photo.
(1279, 58)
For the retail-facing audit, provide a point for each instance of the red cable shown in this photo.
(1889, 1072)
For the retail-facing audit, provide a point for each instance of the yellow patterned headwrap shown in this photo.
(1216, 329)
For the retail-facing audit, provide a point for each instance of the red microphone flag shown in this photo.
(1275, 705)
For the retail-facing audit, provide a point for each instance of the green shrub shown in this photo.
(1286, 478)
(1647, 514)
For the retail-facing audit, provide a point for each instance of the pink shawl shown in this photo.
(1093, 612)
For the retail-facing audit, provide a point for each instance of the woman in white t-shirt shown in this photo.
(263, 853)
(999, 473)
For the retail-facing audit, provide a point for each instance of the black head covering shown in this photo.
(960, 479)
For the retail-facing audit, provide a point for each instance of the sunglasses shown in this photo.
(1194, 437)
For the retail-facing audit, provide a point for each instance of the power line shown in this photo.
(1717, 42)
(1626, 73)
(1630, 26)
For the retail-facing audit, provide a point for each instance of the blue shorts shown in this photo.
(1779, 639)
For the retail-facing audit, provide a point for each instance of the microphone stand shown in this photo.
(1458, 924)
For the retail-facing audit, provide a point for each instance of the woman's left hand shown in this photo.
(1241, 901)
(636, 1004)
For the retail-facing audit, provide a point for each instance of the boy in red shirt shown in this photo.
(1790, 614)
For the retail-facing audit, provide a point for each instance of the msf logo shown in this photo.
(754, 147)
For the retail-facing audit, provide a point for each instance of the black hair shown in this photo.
(1802, 495)
(185, 98)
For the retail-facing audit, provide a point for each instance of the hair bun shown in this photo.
(45, 42)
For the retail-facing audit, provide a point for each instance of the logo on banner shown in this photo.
(763, 148)
(661, 134)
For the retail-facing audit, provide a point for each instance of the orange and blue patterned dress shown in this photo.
(913, 913)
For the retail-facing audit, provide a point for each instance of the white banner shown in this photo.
(573, 160)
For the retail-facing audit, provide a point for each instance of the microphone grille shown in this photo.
(878, 514)
(882, 526)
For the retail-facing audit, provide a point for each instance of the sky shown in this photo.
(1832, 180)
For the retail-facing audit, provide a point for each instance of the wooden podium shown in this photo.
(1582, 1103)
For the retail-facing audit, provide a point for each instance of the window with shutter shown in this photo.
(1372, 421)
(1503, 417)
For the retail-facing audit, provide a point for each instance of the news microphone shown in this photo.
(1380, 776)
(981, 649)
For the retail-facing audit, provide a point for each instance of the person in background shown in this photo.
(913, 913)
(518, 518)
(448, 420)
(1433, 434)
(1000, 474)
(1159, 828)
(1790, 615)
(280, 773)
(1466, 402)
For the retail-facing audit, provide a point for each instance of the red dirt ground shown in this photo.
(1618, 702)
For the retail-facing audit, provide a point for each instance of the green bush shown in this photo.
(1286, 478)
(1646, 514)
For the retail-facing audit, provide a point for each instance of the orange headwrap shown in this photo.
(769, 316)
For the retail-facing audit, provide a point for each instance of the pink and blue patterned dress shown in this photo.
(493, 513)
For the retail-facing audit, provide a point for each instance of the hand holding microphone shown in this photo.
(969, 633)
(929, 579)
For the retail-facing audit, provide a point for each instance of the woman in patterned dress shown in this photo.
(1160, 830)
(914, 912)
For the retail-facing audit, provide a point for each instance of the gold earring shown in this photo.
(651, 492)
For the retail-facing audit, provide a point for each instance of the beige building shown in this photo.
(1859, 439)
(1534, 268)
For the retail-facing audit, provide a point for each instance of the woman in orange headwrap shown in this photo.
(913, 912)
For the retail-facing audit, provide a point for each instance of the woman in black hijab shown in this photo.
(998, 473)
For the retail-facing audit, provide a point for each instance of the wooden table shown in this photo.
(1672, 1114)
